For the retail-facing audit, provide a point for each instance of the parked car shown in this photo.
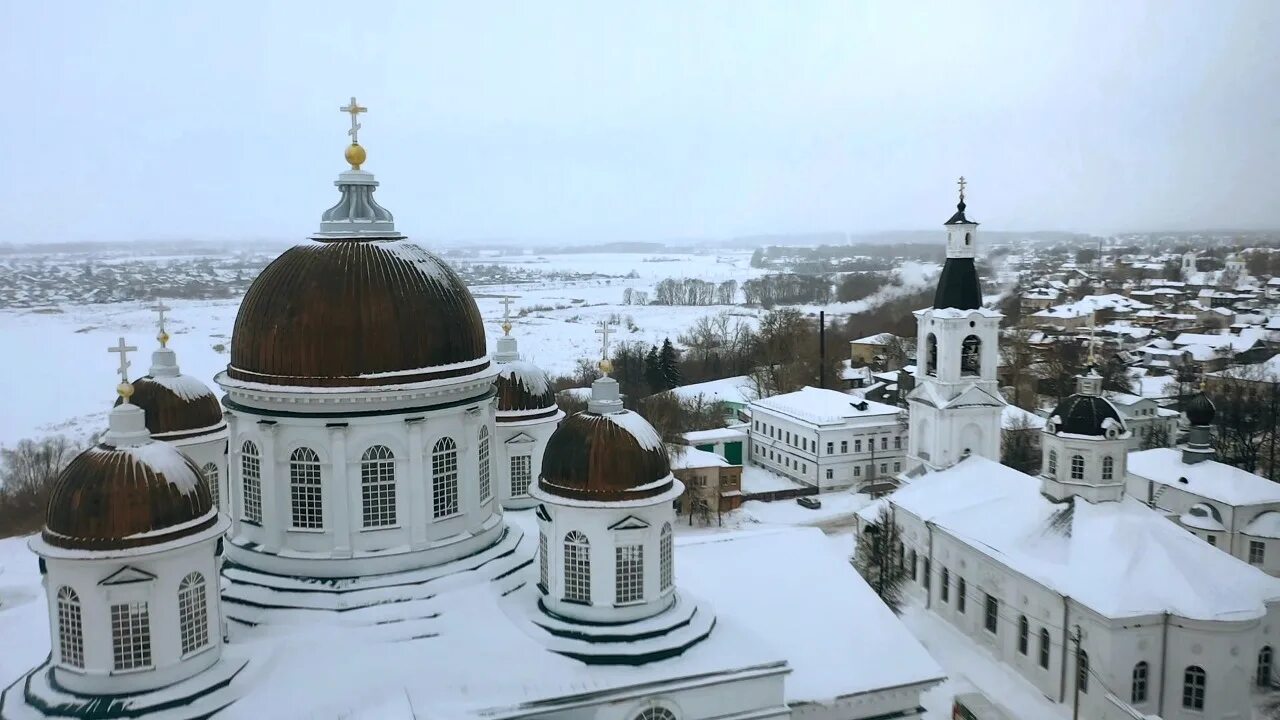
(809, 501)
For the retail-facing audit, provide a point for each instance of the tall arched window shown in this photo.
(444, 478)
(1082, 671)
(378, 487)
(1077, 467)
(1053, 462)
(1264, 667)
(251, 482)
(968, 238)
(971, 356)
(210, 473)
(1193, 686)
(914, 572)
(931, 354)
(193, 613)
(1108, 468)
(483, 453)
(131, 635)
(1024, 632)
(1139, 692)
(628, 573)
(543, 560)
(521, 475)
(656, 713)
(305, 489)
(1044, 648)
(70, 629)
(665, 568)
(577, 568)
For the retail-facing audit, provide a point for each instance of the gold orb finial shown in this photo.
(605, 366)
(163, 337)
(125, 390)
(355, 155)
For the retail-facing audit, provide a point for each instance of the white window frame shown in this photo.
(193, 614)
(666, 564)
(306, 490)
(378, 488)
(131, 636)
(210, 473)
(483, 460)
(445, 501)
(521, 474)
(251, 483)
(577, 567)
(628, 574)
(70, 628)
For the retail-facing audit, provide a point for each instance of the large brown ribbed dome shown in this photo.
(616, 456)
(176, 406)
(523, 388)
(117, 498)
(351, 313)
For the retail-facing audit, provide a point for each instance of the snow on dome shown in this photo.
(523, 386)
(616, 456)
(1085, 415)
(177, 405)
(1202, 517)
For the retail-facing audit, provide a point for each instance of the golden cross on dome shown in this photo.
(354, 110)
(123, 350)
(506, 315)
(961, 182)
(161, 309)
(603, 332)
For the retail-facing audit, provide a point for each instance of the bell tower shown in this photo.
(956, 404)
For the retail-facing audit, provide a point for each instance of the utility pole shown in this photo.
(822, 349)
(1075, 695)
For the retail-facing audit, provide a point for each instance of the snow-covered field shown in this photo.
(59, 377)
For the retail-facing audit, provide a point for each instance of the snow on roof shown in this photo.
(1091, 303)
(877, 339)
(695, 458)
(848, 372)
(738, 390)
(1266, 525)
(1013, 417)
(1266, 370)
(823, 407)
(1137, 333)
(696, 437)
(1121, 559)
(1208, 479)
(1235, 343)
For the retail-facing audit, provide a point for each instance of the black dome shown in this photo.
(1084, 415)
(958, 286)
(1200, 410)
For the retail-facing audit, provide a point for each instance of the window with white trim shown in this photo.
(521, 475)
(70, 628)
(1257, 552)
(378, 487)
(1138, 691)
(1077, 467)
(1193, 688)
(656, 713)
(193, 613)
(577, 567)
(629, 573)
(1108, 468)
(486, 488)
(665, 565)
(131, 635)
(210, 473)
(251, 482)
(1053, 462)
(542, 560)
(305, 490)
(444, 478)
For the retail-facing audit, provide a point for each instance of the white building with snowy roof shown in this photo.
(1074, 584)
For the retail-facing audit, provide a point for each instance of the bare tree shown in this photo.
(879, 558)
(1020, 446)
(27, 473)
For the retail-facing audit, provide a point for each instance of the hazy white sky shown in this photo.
(650, 120)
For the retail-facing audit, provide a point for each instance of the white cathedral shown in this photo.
(1073, 584)
(379, 519)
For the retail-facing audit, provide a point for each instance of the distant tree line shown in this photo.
(692, 291)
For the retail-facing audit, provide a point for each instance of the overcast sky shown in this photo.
(593, 121)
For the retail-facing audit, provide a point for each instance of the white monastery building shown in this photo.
(1063, 577)
(407, 527)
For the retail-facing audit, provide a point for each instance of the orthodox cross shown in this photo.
(603, 332)
(123, 351)
(161, 309)
(506, 315)
(961, 183)
(1091, 342)
(354, 110)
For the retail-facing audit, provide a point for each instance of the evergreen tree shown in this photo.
(652, 370)
(880, 559)
(669, 365)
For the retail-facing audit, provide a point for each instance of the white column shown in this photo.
(235, 502)
(274, 490)
(415, 486)
(337, 491)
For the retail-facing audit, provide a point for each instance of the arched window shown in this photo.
(968, 238)
(444, 478)
(1082, 671)
(378, 487)
(485, 488)
(131, 635)
(1108, 468)
(1193, 684)
(665, 569)
(210, 472)
(305, 489)
(251, 482)
(542, 560)
(628, 573)
(577, 568)
(971, 356)
(193, 613)
(945, 584)
(1024, 632)
(931, 354)
(1264, 667)
(1077, 467)
(1139, 692)
(521, 475)
(70, 629)
(1044, 648)
(656, 713)
(1053, 462)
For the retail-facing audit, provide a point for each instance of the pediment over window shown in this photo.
(542, 513)
(127, 575)
(630, 522)
(520, 438)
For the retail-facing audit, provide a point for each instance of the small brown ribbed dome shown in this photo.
(356, 313)
(116, 498)
(617, 456)
(522, 387)
(176, 406)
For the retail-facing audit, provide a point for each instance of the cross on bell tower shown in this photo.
(162, 335)
(506, 315)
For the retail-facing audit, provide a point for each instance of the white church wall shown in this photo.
(209, 450)
(520, 439)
